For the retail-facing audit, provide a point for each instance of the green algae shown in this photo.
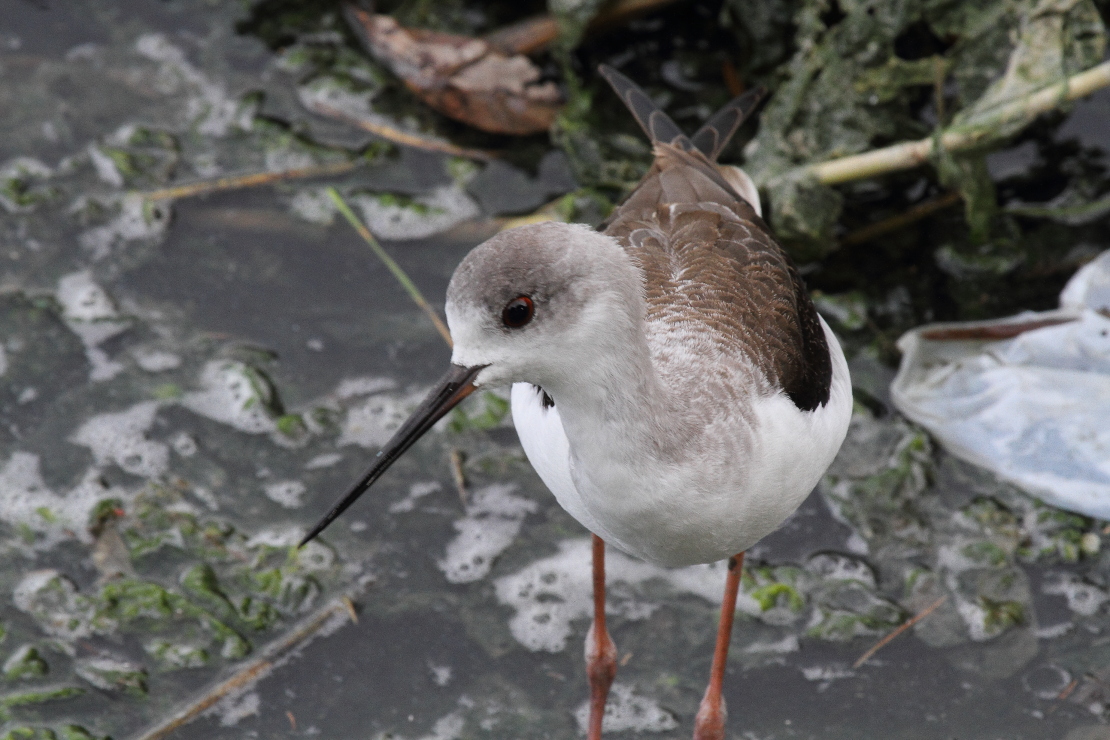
(492, 410)
(36, 697)
(63, 732)
(25, 663)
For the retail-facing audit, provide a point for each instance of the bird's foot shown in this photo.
(601, 669)
(710, 721)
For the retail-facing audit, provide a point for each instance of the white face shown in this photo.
(538, 303)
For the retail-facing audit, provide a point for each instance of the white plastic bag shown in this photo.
(1034, 406)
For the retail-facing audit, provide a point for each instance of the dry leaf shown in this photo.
(462, 77)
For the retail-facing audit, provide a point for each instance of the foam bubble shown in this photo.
(120, 438)
(288, 493)
(324, 460)
(234, 394)
(364, 386)
(550, 593)
(627, 712)
(417, 491)
(373, 422)
(156, 361)
(26, 501)
(428, 214)
(90, 313)
(208, 103)
(493, 520)
(136, 220)
(52, 600)
(1083, 598)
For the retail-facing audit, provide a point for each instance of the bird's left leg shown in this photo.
(601, 653)
(710, 721)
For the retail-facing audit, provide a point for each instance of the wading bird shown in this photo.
(672, 383)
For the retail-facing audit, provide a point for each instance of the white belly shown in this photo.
(657, 516)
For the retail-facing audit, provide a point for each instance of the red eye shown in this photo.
(518, 312)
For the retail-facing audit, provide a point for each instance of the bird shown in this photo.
(672, 383)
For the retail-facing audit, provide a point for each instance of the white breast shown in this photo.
(671, 517)
(545, 443)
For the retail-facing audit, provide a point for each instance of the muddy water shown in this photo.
(217, 369)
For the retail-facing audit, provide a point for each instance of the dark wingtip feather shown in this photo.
(714, 135)
(656, 124)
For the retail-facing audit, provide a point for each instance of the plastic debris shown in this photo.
(1026, 396)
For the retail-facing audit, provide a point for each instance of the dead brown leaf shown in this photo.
(462, 77)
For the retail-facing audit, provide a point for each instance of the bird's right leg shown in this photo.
(601, 653)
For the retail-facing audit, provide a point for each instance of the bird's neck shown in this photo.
(614, 401)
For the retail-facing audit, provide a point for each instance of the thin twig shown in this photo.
(901, 628)
(350, 606)
(901, 220)
(249, 181)
(394, 268)
(397, 136)
(910, 154)
(457, 459)
(251, 671)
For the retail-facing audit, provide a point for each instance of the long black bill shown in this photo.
(452, 388)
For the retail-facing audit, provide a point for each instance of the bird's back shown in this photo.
(717, 283)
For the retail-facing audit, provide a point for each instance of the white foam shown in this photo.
(364, 386)
(235, 707)
(183, 444)
(433, 213)
(136, 220)
(90, 313)
(234, 395)
(273, 537)
(417, 491)
(550, 593)
(493, 520)
(834, 567)
(94, 670)
(627, 712)
(26, 501)
(208, 103)
(3, 361)
(323, 460)
(441, 674)
(120, 438)
(448, 727)
(105, 168)
(330, 92)
(788, 644)
(157, 361)
(314, 205)
(1083, 598)
(53, 601)
(373, 422)
(830, 672)
(288, 493)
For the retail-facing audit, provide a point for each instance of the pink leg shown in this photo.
(710, 722)
(601, 653)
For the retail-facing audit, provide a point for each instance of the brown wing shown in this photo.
(708, 257)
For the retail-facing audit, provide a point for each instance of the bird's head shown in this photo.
(540, 303)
